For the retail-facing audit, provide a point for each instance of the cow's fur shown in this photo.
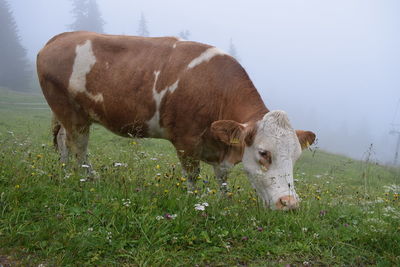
(186, 92)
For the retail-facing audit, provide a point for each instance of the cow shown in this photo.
(192, 94)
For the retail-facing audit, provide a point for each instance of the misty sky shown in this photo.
(333, 65)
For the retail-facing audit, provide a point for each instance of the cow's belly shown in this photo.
(121, 116)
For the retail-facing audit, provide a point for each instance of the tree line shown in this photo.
(18, 73)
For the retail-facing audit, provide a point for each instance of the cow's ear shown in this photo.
(228, 131)
(306, 138)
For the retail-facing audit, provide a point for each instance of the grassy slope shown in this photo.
(47, 215)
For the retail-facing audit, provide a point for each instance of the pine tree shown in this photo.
(184, 34)
(232, 50)
(87, 16)
(14, 68)
(142, 29)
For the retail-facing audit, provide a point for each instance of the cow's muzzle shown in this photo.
(287, 203)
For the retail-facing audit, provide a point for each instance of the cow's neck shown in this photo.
(244, 106)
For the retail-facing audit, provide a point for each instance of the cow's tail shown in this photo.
(55, 127)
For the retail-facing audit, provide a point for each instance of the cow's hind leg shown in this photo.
(73, 140)
(77, 139)
(60, 140)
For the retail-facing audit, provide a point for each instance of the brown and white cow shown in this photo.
(192, 94)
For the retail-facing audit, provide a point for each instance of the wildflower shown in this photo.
(212, 191)
(183, 179)
(260, 229)
(126, 202)
(304, 229)
(322, 213)
(245, 238)
(133, 143)
(166, 191)
(229, 194)
(157, 166)
(178, 184)
(224, 184)
(316, 235)
(82, 180)
(170, 216)
(39, 156)
(119, 164)
(90, 229)
(85, 166)
(109, 236)
(166, 216)
(17, 186)
(92, 189)
(201, 206)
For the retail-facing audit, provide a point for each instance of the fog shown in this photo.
(333, 65)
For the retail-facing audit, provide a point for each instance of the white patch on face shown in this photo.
(206, 56)
(274, 134)
(155, 129)
(83, 63)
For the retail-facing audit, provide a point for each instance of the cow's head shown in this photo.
(270, 149)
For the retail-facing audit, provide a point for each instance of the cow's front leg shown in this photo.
(221, 174)
(190, 170)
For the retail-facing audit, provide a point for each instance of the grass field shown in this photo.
(140, 214)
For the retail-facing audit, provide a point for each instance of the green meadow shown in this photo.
(139, 213)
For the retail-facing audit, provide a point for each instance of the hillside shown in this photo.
(139, 211)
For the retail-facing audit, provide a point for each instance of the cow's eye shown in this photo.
(266, 157)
